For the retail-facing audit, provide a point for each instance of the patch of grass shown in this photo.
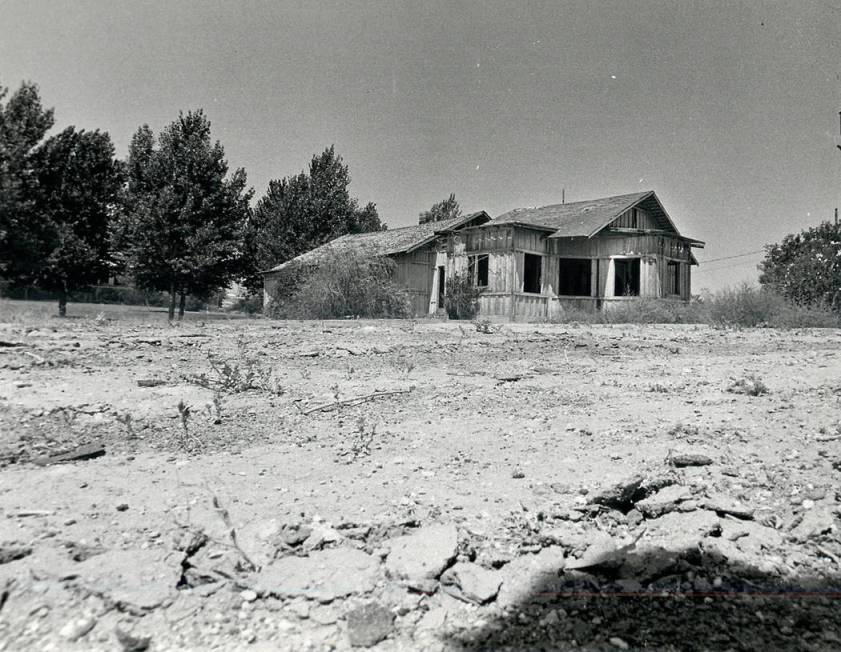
(750, 385)
(241, 374)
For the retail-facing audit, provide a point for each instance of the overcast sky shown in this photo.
(728, 110)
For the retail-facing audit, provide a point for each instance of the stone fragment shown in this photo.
(142, 579)
(419, 558)
(690, 459)
(724, 504)
(368, 624)
(815, 522)
(324, 576)
(664, 501)
(624, 494)
(75, 629)
(529, 575)
(131, 643)
(471, 583)
(681, 531)
(78, 454)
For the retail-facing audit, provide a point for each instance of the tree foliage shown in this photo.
(78, 183)
(444, 210)
(806, 267)
(23, 124)
(184, 216)
(302, 212)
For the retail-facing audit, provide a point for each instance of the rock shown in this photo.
(816, 521)
(681, 531)
(368, 624)
(319, 535)
(325, 575)
(248, 595)
(690, 459)
(419, 558)
(80, 453)
(750, 536)
(139, 579)
(131, 643)
(624, 495)
(617, 642)
(664, 501)
(602, 551)
(530, 575)
(723, 504)
(471, 583)
(75, 629)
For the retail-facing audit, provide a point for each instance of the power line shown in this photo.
(747, 253)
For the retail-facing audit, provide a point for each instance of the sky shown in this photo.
(728, 110)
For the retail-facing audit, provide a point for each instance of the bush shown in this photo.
(342, 283)
(746, 305)
(743, 306)
(461, 300)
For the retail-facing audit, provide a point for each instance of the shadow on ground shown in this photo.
(662, 601)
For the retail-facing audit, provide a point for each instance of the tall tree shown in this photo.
(78, 188)
(304, 211)
(184, 215)
(23, 124)
(444, 210)
(806, 267)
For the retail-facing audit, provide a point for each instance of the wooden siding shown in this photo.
(415, 274)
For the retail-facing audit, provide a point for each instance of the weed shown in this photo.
(242, 374)
(127, 422)
(185, 440)
(360, 442)
(406, 366)
(486, 326)
(659, 388)
(750, 385)
(462, 297)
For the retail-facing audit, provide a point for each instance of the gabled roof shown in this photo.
(389, 242)
(587, 218)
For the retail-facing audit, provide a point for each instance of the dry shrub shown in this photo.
(744, 306)
(461, 300)
(341, 283)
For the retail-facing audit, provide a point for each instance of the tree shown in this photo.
(302, 212)
(444, 210)
(77, 192)
(806, 267)
(184, 216)
(23, 124)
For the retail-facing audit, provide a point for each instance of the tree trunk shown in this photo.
(62, 302)
(181, 305)
(171, 301)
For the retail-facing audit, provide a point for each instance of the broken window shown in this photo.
(673, 277)
(477, 270)
(532, 264)
(574, 277)
(627, 277)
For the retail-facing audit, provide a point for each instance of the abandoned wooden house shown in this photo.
(535, 263)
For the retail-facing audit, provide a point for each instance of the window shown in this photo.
(574, 277)
(532, 264)
(477, 270)
(627, 277)
(673, 277)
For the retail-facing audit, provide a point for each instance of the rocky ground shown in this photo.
(398, 485)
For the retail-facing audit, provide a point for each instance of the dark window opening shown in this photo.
(627, 277)
(673, 277)
(441, 285)
(574, 277)
(531, 273)
(477, 270)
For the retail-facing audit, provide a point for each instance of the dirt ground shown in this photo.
(417, 485)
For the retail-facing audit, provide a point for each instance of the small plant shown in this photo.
(127, 422)
(185, 440)
(242, 374)
(485, 326)
(406, 366)
(750, 385)
(361, 441)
